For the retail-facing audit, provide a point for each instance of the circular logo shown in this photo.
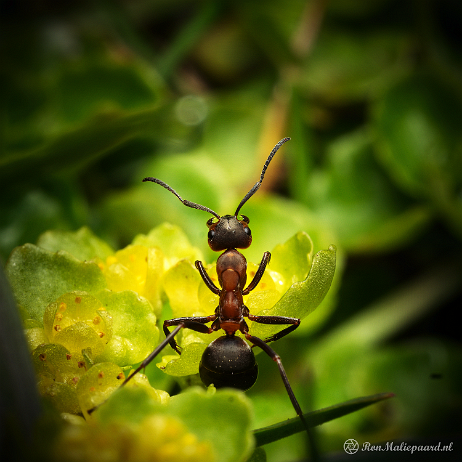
(351, 446)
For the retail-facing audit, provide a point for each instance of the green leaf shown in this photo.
(99, 135)
(99, 382)
(58, 372)
(208, 415)
(358, 200)
(27, 215)
(135, 334)
(419, 134)
(82, 244)
(127, 404)
(303, 297)
(293, 259)
(73, 308)
(353, 65)
(181, 285)
(185, 364)
(419, 141)
(172, 241)
(222, 418)
(38, 277)
(291, 426)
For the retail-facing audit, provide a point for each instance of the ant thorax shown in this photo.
(232, 261)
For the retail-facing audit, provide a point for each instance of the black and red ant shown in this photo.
(229, 361)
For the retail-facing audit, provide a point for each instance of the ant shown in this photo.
(229, 361)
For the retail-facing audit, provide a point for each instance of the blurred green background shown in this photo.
(98, 95)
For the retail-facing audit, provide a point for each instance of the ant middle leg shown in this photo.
(258, 275)
(295, 322)
(196, 323)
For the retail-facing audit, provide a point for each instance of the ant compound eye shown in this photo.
(247, 231)
(211, 234)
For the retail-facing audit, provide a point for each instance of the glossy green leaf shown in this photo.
(82, 244)
(100, 134)
(87, 106)
(135, 333)
(185, 364)
(303, 297)
(38, 277)
(292, 260)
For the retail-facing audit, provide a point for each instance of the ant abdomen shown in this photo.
(229, 362)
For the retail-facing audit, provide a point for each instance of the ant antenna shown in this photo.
(185, 202)
(258, 183)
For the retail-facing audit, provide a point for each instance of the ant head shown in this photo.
(229, 232)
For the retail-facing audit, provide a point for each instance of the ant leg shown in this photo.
(295, 322)
(275, 357)
(156, 351)
(312, 447)
(206, 278)
(258, 275)
(194, 323)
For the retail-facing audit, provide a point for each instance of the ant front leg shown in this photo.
(196, 324)
(258, 275)
(206, 278)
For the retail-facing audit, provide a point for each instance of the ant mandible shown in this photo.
(229, 361)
